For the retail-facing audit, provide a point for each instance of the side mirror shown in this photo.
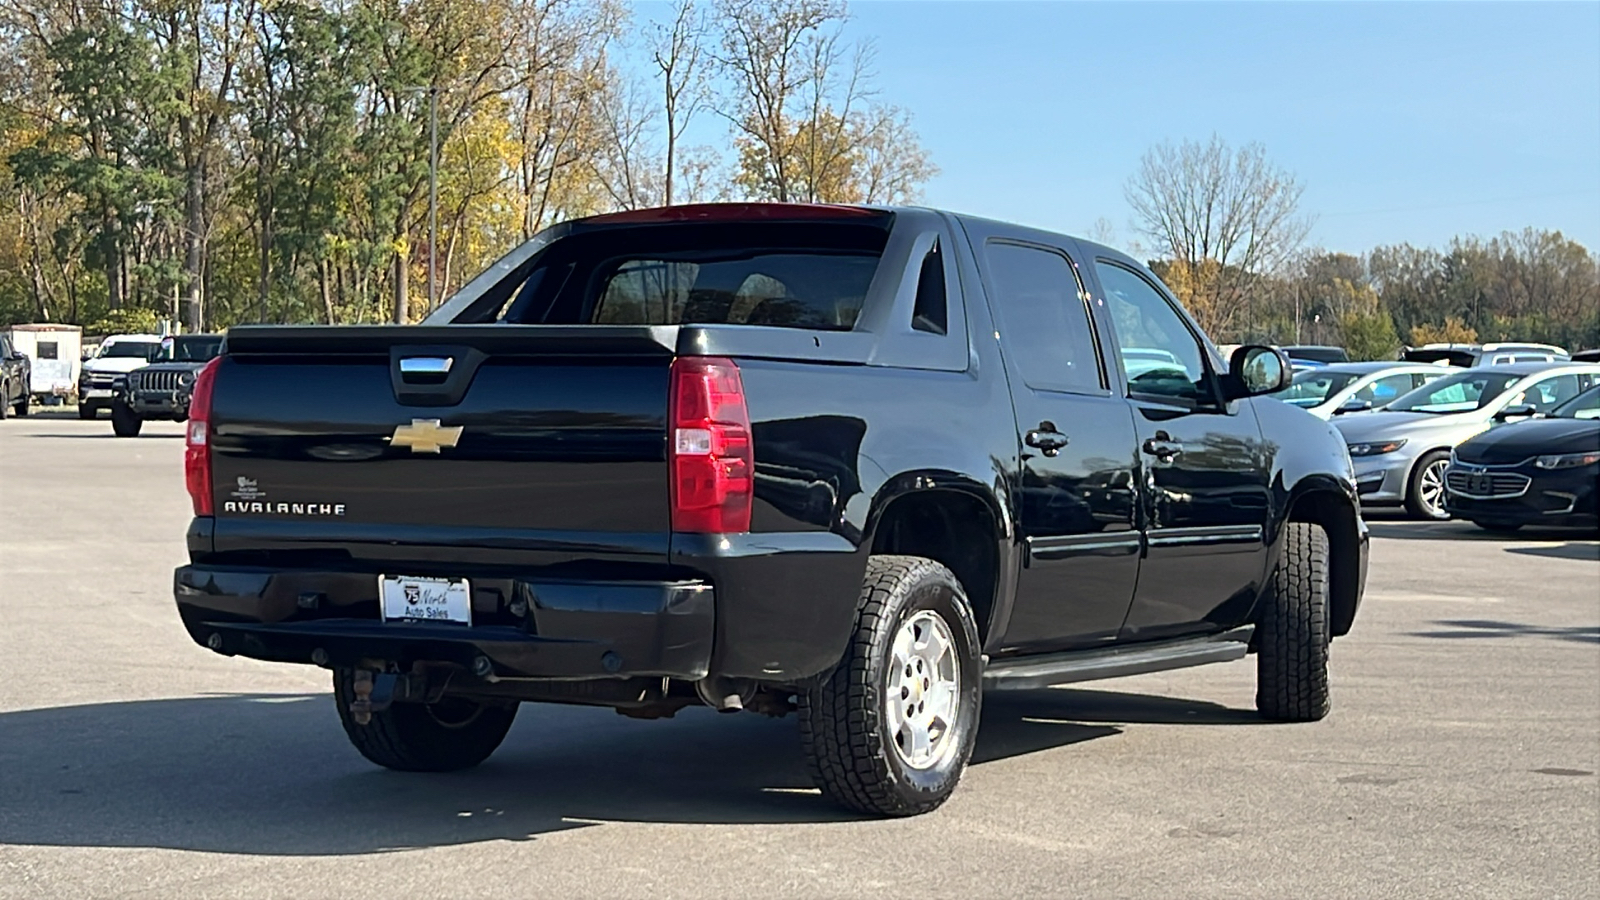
(1255, 370)
(1354, 404)
(1523, 411)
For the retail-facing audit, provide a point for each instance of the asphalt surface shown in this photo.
(1459, 760)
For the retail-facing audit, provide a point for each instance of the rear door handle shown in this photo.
(1046, 438)
(1163, 448)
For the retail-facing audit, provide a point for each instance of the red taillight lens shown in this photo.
(197, 442)
(709, 454)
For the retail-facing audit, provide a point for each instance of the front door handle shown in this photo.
(1046, 438)
(1163, 447)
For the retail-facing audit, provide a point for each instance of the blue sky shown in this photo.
(1405, 122)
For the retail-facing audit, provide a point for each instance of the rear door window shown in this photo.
(1044, 318)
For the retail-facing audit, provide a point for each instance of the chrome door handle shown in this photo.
(1046, 438)
(1163, 449)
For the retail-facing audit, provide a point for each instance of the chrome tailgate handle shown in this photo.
(426, 365)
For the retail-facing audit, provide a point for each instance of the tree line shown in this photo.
(1227, 234)
(212, 162)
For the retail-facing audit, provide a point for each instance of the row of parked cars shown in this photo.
(137, 377)
(1430, 432)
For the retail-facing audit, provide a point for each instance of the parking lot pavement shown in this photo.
(1459, 760)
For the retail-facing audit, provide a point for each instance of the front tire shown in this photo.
(86, 411)
(447, 736)
(1425, 493)
(125, 422)
(890, 730)
(1292, 630)
(24, 403)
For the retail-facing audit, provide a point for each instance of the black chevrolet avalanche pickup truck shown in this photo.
(864, 465)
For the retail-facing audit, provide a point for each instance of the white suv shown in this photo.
(119, 354)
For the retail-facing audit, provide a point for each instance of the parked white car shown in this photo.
(119, 354)
(1332, 390)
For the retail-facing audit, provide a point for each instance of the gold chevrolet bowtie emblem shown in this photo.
(425, 436)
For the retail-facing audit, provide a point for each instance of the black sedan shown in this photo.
(1543, 471)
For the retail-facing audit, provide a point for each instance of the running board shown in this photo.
(1029, 673)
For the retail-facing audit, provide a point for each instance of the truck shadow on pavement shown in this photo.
(1457, 629)
(273, 775)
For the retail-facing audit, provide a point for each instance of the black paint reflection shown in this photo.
(808, 468)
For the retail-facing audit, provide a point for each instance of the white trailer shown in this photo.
(55, 352)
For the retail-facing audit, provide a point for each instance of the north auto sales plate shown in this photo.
(406, 598)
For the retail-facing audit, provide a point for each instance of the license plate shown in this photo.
(407, 599)
(92, 394)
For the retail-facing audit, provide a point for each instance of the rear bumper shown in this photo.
(526, 628)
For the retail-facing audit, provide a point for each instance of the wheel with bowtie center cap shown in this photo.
(890, 729)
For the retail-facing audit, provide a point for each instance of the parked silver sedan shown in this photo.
(1401, 451)
(1340, 388)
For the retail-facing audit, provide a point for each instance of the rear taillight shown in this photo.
(709, 454)
(197, 442)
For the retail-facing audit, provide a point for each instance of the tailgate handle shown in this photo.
(433, 374)
(434, 366)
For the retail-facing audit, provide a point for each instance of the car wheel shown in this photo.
(446, 736)
(125, 422)
(1425, 494)
(890, 730)
(24, 403)
(1292, 630)
(4, 409)
(1502, 527)
(87, 412)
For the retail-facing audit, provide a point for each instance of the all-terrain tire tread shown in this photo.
(839, 718)
(1292, 648)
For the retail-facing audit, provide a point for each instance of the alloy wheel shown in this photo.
(922, 696)
(1430, 488)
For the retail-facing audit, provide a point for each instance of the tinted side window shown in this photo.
(932, 310)
(1550, 393)
(1044, 320)
(1385, 389)
(1160, 356)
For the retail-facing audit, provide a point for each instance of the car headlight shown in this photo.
(1567, 460)
(1376, 448)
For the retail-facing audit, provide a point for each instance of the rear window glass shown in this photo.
(791, 289)
(812, 275)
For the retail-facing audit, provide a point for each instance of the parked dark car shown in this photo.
(16, 374)
(1316, 355)
(864, 465)
(158, 390)
(1543, 471)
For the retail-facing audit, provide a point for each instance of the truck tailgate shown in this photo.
(519, 430)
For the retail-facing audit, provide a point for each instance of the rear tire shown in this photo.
(24, 403)
(1292, 631)
(447, 736)
(4, 409)
(890, 730)
(1425, 492)
(125, 422)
